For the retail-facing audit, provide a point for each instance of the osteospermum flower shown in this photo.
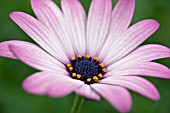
(94, 56)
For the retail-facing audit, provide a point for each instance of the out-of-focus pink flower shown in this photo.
(95, 56)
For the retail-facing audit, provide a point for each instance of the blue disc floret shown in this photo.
(86, 68)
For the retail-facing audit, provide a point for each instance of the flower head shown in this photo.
(94, 56)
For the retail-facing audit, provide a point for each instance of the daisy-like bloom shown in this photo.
(94, 56)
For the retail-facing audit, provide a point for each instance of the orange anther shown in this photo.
(101, 65)
(73, 58)
(96, 59)
(87, 56)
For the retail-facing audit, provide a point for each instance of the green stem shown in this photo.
(77, 105)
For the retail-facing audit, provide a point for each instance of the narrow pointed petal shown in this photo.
(98, 25)
(40, 84)
(137, 84)
(76, 17)
(144, 69)
(117, 96)
(88, 92)
(131, 39)
(121, 18)
(51, 16)
(38, 32)
(36, 57)
(143, 54)
(5, 50)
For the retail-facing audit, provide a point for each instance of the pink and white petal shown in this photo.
(5, 50)
(121, 18)
(87, 92)
(145, 69)
(142, 54)
(61, 88)
(131, 39)
(38, 32)
(119, 97)
(52, 17)
(98, 24)
(137, 84)
(36, 57)
(76, 17)
(40, 83)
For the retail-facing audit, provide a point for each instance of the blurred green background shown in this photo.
(13, 99)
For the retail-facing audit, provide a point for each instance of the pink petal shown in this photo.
(98, 25)
(40, 84)
(36, 57)
(136, 84)
(88, 92)
(132, 38)
(117, 96)
(121, 18)
(5, 50)
(76, 17)
(144, 69)
(142, 54)
(51, 16)
(63, 87)
(38, 32)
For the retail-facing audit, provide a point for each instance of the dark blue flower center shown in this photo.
(86, 69)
